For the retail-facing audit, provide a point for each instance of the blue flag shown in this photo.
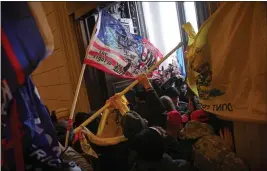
(28, 137)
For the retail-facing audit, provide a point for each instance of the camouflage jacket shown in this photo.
(210, 152)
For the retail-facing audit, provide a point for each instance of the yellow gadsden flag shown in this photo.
(226, 62)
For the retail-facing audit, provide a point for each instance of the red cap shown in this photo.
(174, 118)
(199, 115)
(185, 119)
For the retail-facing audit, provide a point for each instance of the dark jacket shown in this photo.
(178, 149)
(165, 164)
(149, 147)
(152, 109)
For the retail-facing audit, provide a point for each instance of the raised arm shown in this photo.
(156, 108)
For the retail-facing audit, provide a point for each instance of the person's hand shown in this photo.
(143, 80)
(226, 135)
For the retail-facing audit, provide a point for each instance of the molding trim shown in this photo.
(71, 51)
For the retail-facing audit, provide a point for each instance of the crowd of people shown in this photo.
(166, 130)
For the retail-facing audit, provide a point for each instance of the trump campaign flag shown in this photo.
(116, 51)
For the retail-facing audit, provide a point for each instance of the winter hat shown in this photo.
(167, 103)
(149, 145)
(174, 119)
(200, 115)
(185, 118)
(132, 124)
(172, 92)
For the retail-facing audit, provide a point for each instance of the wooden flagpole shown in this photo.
(78, 87)
(74, 104)
(127, 88)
